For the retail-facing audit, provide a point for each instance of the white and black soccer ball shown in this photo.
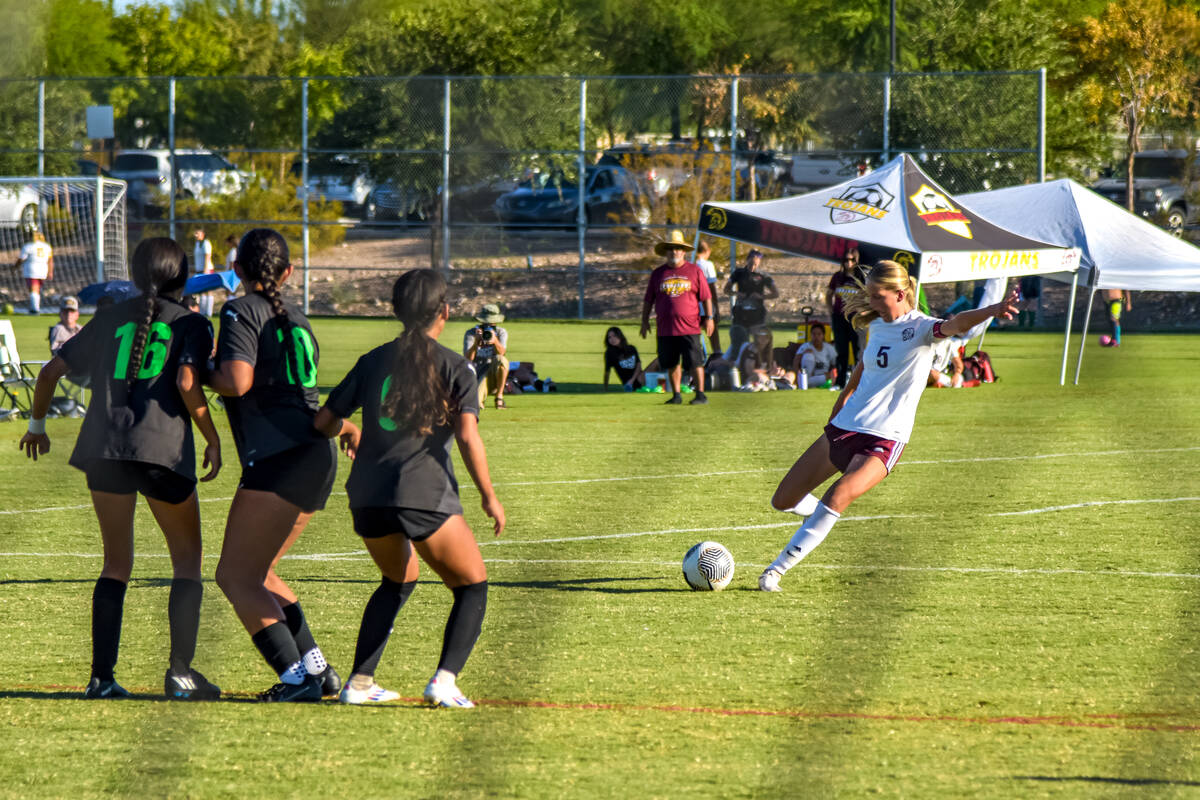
(708, 567)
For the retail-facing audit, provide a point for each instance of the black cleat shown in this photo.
(98, 689)
(701, 399)
(331, 682)
(676, 400)
(189, 685)
(307, 692)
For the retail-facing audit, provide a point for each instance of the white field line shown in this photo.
(677, 476)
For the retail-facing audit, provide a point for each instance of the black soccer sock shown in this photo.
(376, 626)
(463, 626)
(314, 659)
(277, 646)
(108, 606)
(183, 615)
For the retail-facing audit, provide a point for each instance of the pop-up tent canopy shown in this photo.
(899, 213)
(1119, 250)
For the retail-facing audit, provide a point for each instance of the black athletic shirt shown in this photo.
(622, 360)
(750, 308)
(393, 468)
(277, 413)
(149, 421)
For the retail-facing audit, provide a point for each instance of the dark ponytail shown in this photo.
(159, 267)
(263, 256)
(418, 399)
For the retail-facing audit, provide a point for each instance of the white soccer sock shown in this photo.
(35, 302)
(294, 675)
(807, 537)
(314, 661)
(807, 505)
(444, 676)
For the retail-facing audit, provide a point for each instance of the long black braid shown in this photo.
(159, 267)
(263, 256)
(418, 399)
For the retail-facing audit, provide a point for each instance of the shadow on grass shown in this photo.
(1099, 779)
(134, 582)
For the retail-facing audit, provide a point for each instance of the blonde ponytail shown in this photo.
(890, 276)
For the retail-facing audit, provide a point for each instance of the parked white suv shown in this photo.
(19, 206)
(198, 173)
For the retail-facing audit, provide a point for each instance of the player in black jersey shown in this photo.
(417, 397)
(145, 357)
(267, 371)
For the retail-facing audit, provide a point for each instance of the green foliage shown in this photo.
(265, 199)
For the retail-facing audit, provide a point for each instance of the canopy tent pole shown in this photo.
(1062, 375)
(1087, 318)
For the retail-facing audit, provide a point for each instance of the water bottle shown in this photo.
(803, 379)
(735, 377)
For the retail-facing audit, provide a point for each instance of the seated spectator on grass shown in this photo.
(817, 357)
(622, 357)
(947, 369)
(757, 362)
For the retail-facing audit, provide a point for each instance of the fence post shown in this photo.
(304, 181)
(446, 175)
(98, 202)
(1041, 145)
(581, 216)
(41, 129)
(887, 118)
(733, 129)
(171, 145)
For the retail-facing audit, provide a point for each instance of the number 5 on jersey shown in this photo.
(154, 357)
(881, 356)
(305, 350)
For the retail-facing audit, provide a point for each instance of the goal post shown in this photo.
(84, 221)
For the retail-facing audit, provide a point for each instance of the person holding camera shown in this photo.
(485, 347)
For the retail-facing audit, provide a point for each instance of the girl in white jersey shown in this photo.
(873, 416)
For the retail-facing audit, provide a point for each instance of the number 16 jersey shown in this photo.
(896, 364)
(277, 413)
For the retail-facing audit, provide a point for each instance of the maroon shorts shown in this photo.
(845, 445)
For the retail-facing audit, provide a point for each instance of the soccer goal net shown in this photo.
(83, 221)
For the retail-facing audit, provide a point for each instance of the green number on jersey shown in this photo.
(387, 423)
(154, 357)
(305, 350)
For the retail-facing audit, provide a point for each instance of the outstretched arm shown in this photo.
(963, 321)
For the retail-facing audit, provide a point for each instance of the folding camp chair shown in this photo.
(18, 377)
(71, 401)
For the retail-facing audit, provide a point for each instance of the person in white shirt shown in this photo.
(816, 357)
(704, 262)
(873, 416)
(37, 265)
(202, 262)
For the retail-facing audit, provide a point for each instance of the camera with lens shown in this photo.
(487, 332)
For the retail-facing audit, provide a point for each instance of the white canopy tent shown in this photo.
(899, 213)
(1118, 250)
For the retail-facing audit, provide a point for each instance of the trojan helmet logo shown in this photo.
(716, 219)
(935, 208)
(903, 258)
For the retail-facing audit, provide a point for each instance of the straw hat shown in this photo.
(676, 242)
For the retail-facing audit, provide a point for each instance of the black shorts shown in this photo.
(674, 349)
(302, 475)
(138, 477)
(372, 522)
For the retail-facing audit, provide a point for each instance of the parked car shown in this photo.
(612, 194)
(391, 201)
(341, 179)
(662, 167)
(198, 173)
(19, 206)
(1161, 185)
(812, 171)
(89, 168)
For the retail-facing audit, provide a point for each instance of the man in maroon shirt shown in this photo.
(676, 291)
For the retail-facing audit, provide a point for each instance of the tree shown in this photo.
(1139, 62)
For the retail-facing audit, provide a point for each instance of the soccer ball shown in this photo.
(1105, 340)
(708, 567)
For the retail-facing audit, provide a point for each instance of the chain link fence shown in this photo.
(545, 193)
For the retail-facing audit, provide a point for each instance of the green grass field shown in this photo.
(1015, 612)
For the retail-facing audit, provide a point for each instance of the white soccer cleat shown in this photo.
(358, 697)
(445, 694)
(769, 580)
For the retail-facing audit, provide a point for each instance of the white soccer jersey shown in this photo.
(35, 260)
(824, 359)
(896, 364)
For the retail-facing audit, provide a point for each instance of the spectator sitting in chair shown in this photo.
(485, 347)
(817, 357)
(68, 325)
